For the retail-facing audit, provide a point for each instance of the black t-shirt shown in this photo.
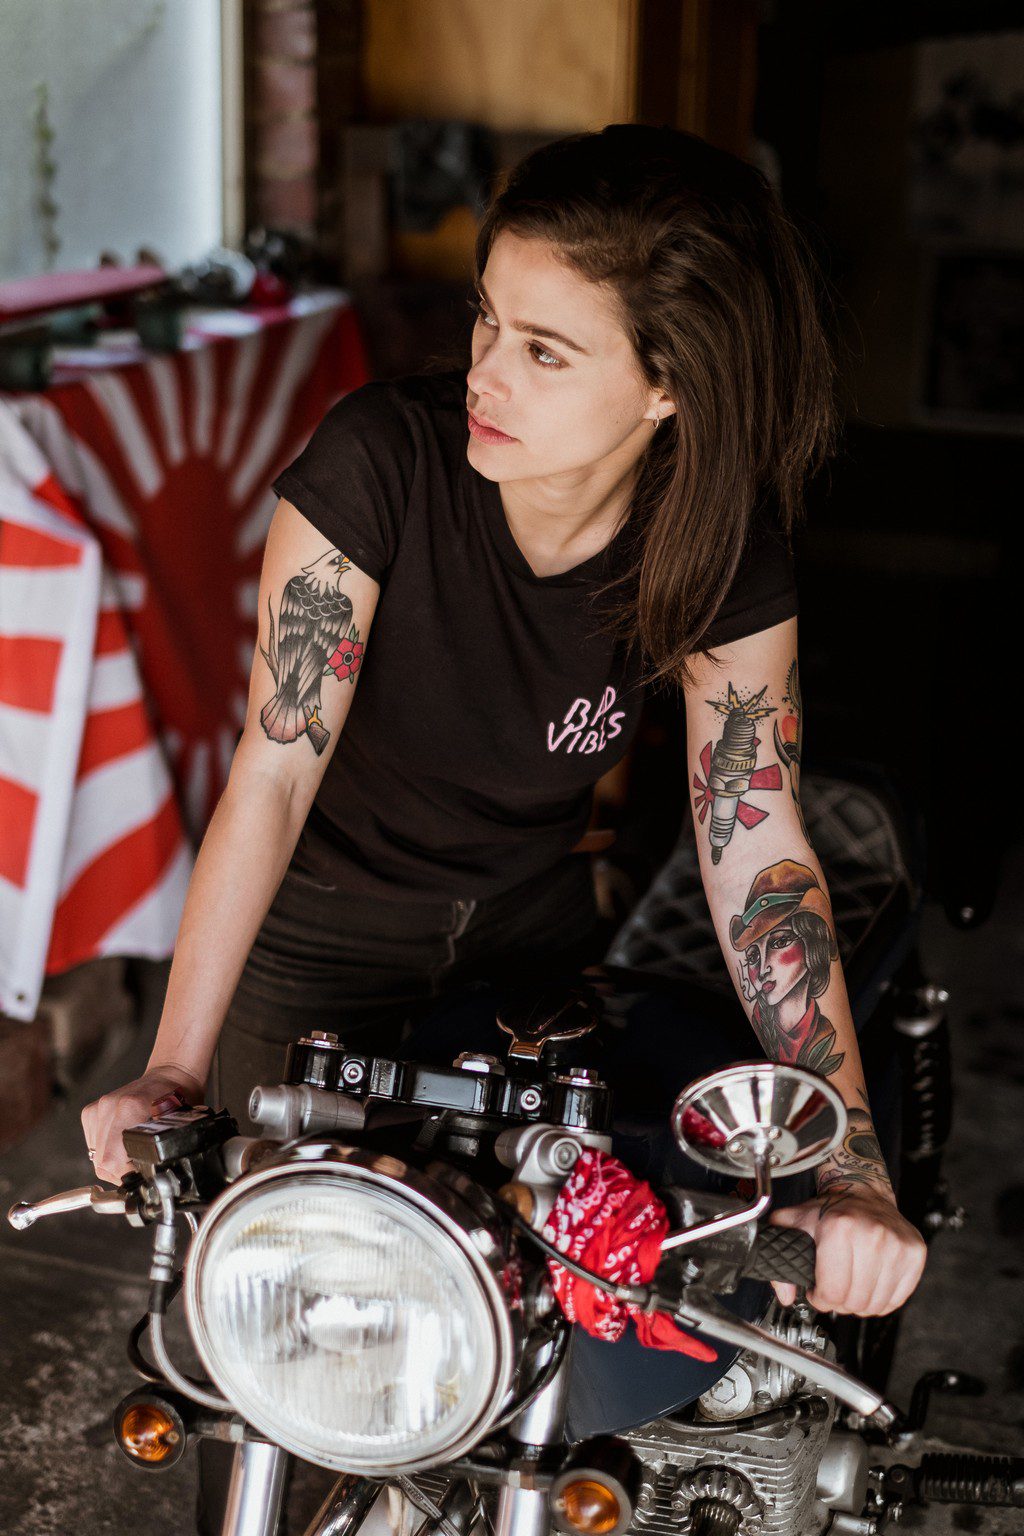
(488, 701)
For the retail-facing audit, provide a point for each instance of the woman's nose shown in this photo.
(486, 377)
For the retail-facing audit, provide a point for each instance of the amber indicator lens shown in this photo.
(148, 1433)
(589, 1506)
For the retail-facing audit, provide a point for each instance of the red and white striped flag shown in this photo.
(93, 857)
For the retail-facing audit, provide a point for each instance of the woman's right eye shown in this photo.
(478, 309)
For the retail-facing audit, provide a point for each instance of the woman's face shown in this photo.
(568, 403)
(775, 964)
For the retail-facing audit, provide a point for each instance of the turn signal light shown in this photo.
(149, 1433)
(149, 1430)
(596, 1491)
(589, 1507)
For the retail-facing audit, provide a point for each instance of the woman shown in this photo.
(474, 602)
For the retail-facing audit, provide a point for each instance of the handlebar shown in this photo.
(782, 1253)
(778, 1253)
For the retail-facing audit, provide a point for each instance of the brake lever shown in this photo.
(106, 1202)
(129, 1198)
(707, 1316)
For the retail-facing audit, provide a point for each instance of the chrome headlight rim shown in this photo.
(466, 1215)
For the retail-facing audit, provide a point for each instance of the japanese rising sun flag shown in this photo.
(93, 858)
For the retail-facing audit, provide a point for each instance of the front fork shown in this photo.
(256, 1491)
(540, 1156)
(525, 1511)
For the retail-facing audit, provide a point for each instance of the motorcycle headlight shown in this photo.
(354, 1310)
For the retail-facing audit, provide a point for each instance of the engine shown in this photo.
(787, 1471)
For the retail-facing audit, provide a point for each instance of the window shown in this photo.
(141, 98)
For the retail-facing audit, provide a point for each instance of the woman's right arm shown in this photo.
(274, 776)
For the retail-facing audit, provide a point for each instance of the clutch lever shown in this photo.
(704, 1314)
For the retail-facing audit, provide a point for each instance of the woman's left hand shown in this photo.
(869, 1257)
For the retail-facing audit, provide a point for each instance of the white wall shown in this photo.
(134, 99)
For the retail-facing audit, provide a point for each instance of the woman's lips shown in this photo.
(486, 434)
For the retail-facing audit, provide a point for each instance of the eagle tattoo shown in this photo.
(314, 616)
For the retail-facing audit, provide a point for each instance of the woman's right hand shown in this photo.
(105, 1119)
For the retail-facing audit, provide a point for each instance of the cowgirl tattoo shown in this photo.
(787, 942)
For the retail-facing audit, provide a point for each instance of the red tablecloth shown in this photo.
(164, 465)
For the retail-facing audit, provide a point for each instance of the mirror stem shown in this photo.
(761, 1201)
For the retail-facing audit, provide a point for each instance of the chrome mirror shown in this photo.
(759, 1114)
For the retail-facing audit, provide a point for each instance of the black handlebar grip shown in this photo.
(782, 1253)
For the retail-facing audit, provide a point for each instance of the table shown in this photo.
(134, 504)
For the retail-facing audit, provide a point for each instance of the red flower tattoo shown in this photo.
(346, 660)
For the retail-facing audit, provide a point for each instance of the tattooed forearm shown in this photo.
(787, 942)
(857, 1166)
(730, 770)
(314, 635)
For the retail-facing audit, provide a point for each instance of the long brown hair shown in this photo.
(717, 294)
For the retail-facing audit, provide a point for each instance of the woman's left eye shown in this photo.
(535, 349)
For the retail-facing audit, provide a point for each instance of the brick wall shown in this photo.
(301, 87)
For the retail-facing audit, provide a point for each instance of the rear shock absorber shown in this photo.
(922, 1033)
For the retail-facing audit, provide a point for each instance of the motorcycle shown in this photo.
(371, 1285)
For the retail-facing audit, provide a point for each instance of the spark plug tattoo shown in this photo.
(730, 771)
(314, 635)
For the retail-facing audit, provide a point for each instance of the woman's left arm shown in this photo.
(773, 917)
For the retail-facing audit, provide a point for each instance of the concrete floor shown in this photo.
(71, 1287)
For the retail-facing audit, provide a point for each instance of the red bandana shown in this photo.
(613, 1224)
